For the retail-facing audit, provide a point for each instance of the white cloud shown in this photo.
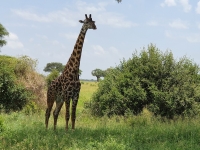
(169, 35)
(70, 17)
(55, 42)
(168, 3)
(12, 36)
(185, 3)
(71, 36)
(115, 20)
(58, 44)
(152, 23)
(13, 41)
(198, 8)
(98, 50)
(90, 8)
(194, 38)
(198, 25)
(104, 17)
(186, 6)
(31, 39)
(178, 24)
(115, 51)
(64, 16)
(15, 44)
(31, 16)
(44, 37)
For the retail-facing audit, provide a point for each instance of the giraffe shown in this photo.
(67, 86)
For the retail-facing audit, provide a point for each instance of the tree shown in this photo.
(151, 79)
(58, 67)
(98, 73)
(3, 32)
(54, 66)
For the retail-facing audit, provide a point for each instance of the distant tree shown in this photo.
(57, 66)
(3, 32)
(98, 73)
(54, 66)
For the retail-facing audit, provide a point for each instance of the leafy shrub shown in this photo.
(19, 83)
(24, 64)
(2, 127)
(53, 75)
(151, 79)
(31, 108)
(13, 96)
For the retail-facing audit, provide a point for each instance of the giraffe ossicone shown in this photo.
(67, 86)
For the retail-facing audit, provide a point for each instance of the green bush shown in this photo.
(53, 75)
(151, 79)
(13, 95)
(31, 108)
(2, 127)
(23, 65)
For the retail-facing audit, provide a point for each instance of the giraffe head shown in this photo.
(88, 23)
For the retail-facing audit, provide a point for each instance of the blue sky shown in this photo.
(47, 30)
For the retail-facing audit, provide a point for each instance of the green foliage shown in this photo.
(3, 32)
(2, 126)
(54, 66)
(151, 79)
(98, 73)
(31, 108)
(24, 64)
(13, 95)
(53, 75)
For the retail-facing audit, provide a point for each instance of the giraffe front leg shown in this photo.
(67, 115)
(74, 104)
(56, 112)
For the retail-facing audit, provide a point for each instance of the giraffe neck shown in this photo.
(73, 63)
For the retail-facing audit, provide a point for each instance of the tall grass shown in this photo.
(119, 133)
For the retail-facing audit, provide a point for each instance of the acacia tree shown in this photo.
(3, 32)
(98, 73)
(56, 66)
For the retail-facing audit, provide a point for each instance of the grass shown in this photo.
(143, 132)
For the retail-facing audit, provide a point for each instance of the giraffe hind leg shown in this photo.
(48, 110)
(50, 102)
(74, 104)
(57, 111)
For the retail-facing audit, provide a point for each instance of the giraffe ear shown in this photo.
(81, 21)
